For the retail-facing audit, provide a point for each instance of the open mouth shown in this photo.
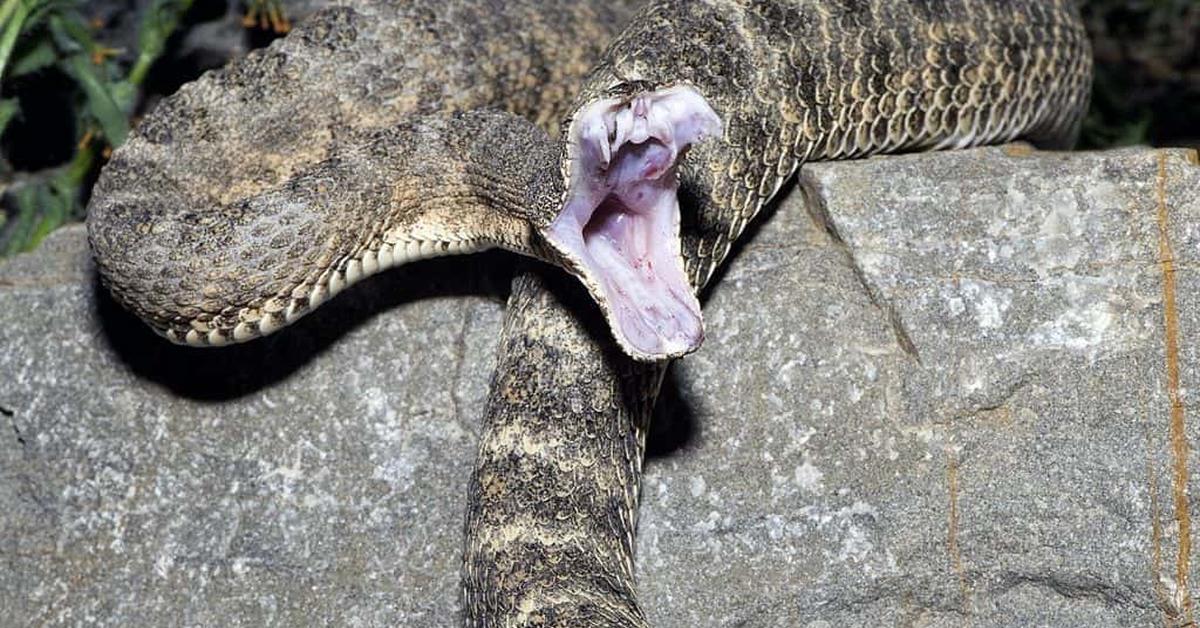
(619, 227)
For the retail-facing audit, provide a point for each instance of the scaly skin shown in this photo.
(252, 195)
(236, 205)
(563, 433)
(261, 190)
(553, 503)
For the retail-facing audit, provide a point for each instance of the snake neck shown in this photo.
(808, 80)
(216, 274)
(792, 81)
(241, 202)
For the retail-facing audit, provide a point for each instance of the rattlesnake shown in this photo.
(212, 245)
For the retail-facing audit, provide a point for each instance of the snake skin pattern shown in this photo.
(259, 191)
(794, 81)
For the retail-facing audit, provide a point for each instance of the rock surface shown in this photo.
(950, 389)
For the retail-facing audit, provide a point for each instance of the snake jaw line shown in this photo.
(256, 323)
(618, 229)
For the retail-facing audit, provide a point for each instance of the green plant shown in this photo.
(53, 35)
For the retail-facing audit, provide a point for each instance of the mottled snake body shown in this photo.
(793, 82)
(240, 234)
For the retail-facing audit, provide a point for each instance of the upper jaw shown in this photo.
(618, 229)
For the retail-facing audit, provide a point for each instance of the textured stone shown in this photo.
(938, 393)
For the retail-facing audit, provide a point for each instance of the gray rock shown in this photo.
(941, 395)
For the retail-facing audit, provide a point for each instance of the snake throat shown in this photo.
(619, 226)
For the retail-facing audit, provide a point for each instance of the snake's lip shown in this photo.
(619, 226)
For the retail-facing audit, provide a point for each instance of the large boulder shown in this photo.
(937, 390)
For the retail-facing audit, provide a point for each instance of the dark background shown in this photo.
(79, 74)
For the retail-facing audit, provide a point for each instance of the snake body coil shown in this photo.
(261, 190)
(793, 82)
(254, 195)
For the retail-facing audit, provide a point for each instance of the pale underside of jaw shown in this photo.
(619, 226)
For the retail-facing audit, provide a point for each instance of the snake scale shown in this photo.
(255, 194)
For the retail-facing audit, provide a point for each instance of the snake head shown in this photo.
(618, 229)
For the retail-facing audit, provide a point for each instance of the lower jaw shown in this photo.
(634, 261)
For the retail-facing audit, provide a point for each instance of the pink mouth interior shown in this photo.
(620, 224)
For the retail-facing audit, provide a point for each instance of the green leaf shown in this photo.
(159, 21)
(101, 102)
(39, 207)
(71, 34)
(19, 230)
(39, 10)
(12, 21)
(70, 178)
(7, 8)
(18, 18)
(8, 109)
(55, 212)
(39, 55)
(125, 94)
